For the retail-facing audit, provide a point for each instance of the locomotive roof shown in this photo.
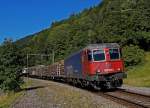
(103, 45)
(97, 46)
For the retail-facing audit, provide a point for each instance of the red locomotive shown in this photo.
(97, 65)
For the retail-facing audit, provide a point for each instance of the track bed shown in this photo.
(49, 94)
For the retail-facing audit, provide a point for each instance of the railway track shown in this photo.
(128, 98)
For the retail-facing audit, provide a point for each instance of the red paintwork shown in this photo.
(85, 64)
(104, 67)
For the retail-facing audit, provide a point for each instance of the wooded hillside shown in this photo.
(126, 22)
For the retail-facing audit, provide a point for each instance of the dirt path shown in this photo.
(48, 94)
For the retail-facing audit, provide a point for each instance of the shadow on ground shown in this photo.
(32, 88)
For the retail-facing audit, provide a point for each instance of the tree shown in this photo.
(133, 55)
(10, 66)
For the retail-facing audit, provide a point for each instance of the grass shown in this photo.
(7, 99)
(140, 75)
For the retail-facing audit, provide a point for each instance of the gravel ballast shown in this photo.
(49, 94)
(141, 90)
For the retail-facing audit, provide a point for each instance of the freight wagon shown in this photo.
(54, 71)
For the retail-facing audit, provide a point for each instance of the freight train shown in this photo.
(99, 66)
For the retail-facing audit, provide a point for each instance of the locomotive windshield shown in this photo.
(114, 54)
(98, 55)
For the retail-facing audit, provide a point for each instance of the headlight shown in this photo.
(98, 71)
(118, 69)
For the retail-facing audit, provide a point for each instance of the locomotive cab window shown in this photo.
(98, 55)
(89, 56)
(114, 54)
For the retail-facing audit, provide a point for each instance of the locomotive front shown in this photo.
(103, 65)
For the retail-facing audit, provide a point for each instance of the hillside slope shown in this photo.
(122, 21)
(140, 75)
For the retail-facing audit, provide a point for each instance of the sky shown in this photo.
(19, 18)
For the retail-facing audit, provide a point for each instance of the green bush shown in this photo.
(10, 66)
(132, 55)
(10, 84)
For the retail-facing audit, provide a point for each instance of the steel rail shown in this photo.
(129, 100)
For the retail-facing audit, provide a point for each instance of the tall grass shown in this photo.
(9, 98)
(140, 75)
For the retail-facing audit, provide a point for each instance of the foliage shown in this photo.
(10, 66)
(8, 99)
(139, 75)
(122, 21)
(132, 55)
